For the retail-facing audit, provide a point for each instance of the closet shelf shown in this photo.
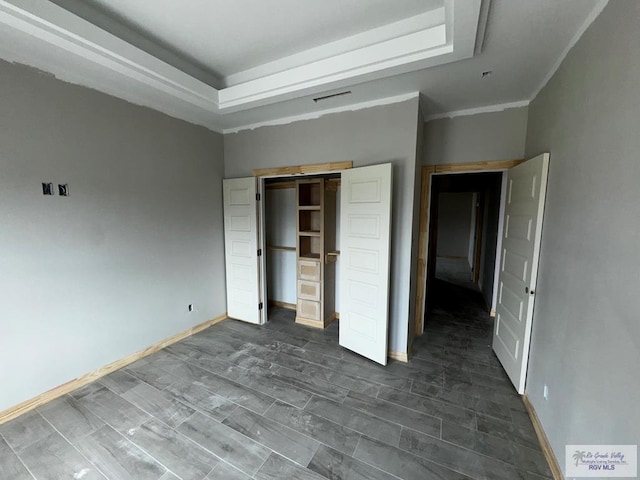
(315, 229)
(310, 256)
(309, 233)
(281, 248)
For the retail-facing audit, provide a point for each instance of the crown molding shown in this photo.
(371, 37)
(44, 35)
(313, 115)
(59, 28)
(475, 111)
(354, 64)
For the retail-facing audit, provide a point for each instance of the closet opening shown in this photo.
(301, 228)
(284, 241)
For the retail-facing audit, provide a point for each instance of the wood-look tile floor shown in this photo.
(286, 402)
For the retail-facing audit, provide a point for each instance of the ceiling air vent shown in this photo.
(333, 95)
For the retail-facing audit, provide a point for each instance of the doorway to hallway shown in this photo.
(464, 224)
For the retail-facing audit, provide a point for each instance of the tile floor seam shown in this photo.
(420, 411)
(140, 447)
(74, 446)
(262, 465)
(448, 442)
(190, 440)
(370, 465)
(18, 457)
(430, 461)
(161, 463)
(320, 442)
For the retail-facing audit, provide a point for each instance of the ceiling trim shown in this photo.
(55, 26)
(384, 55)
(597, 10)
(481, 34)
(475, 111)
(417, 23)
(414, 43)
(101, 60)
(313, 115)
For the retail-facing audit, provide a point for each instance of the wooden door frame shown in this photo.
(423, 243)
(477, 242)
(291, 171)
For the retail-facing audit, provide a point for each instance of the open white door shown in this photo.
(524, 209)
(241, 249)
(365, 224)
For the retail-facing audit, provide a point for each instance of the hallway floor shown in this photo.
(455, 271)
(286, 402)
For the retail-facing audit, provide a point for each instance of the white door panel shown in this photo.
(365, 218)
(522, 232)
(241, 249)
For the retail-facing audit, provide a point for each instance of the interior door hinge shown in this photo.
(259, 252)
(260, 306)
(258, 197)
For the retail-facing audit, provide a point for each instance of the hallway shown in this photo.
(284, 401)
(458, 336)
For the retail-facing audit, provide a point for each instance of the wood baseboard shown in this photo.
(308, 322)
(289, 306)
(556, 471)
(35, 402)
(400, 356)
(331, 318)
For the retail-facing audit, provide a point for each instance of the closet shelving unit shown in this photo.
(315, 252)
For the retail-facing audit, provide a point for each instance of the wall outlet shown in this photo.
(190, 307)
(545, 392)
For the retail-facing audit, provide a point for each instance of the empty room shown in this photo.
(345, 240)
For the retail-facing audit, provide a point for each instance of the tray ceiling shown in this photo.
(225, 64)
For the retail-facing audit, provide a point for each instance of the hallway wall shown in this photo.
(454, 224)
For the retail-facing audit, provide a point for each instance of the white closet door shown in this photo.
(365, 237)
(526, 189)
(241, 249)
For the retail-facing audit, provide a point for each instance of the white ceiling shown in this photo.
(229, 36)
(228, 64)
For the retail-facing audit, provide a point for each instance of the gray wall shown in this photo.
(586, 329)
(476, 138)
(367, 137)
(454, 224)
(109, 270)
(280, 230)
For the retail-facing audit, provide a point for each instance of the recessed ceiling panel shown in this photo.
(229, 36)
(367, 47)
